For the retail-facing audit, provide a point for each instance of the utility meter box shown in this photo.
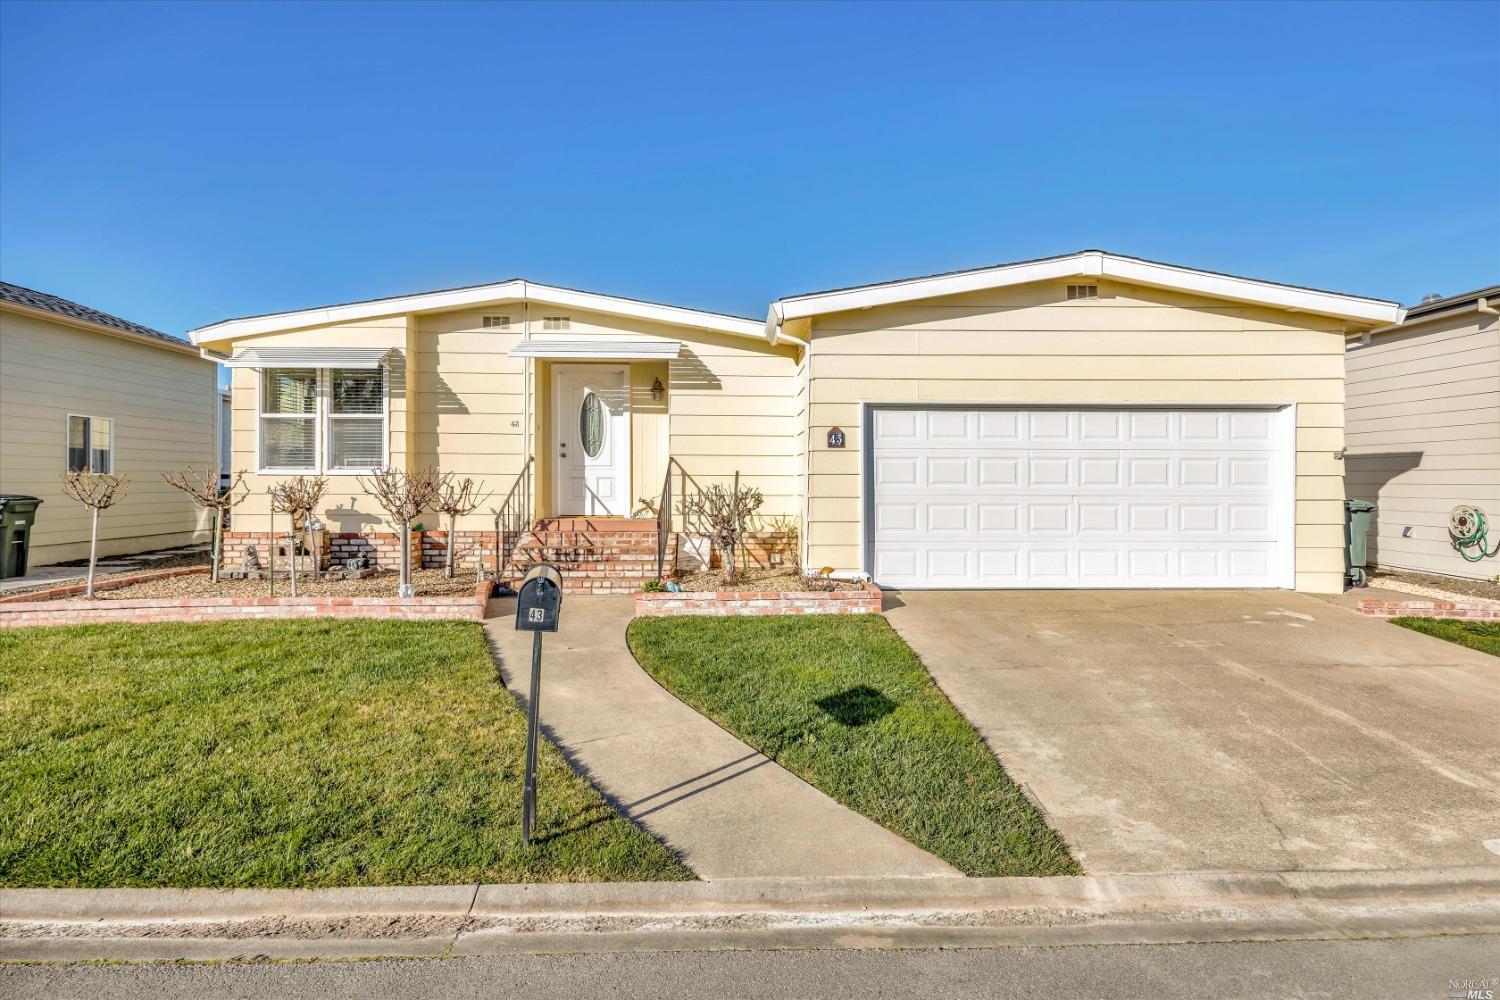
(540, 601)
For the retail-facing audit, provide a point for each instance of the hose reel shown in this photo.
(1466, 524)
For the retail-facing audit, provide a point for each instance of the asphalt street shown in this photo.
(1402, 969)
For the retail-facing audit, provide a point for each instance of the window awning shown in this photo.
(599, 350)
(314, 357)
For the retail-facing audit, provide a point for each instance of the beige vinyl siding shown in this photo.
(728, 407)
(345, 507)
(1424, 436)
(1030, 344)
(162, 403)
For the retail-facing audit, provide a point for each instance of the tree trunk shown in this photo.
(213, 571)
(93, 555)
(295, 555)
(452, 536)
(404, 589)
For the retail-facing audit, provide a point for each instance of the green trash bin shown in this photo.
(1356, 528)
(17, 515)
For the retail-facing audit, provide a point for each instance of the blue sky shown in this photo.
(177, 164)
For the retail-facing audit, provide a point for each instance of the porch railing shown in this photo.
(514, 516)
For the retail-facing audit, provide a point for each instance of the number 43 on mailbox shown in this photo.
(538, 607)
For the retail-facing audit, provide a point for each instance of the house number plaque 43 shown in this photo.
(835, 437)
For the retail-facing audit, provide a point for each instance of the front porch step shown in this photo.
(596, 555)
(605, 525)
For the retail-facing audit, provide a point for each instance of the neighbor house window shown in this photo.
(356, 419)
(91, 444)
(555, 323)
(322, 419)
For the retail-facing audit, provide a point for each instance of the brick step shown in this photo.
(619, 525)
(588, 539)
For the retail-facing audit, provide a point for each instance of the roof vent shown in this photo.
(555, 323)
(1430, 297)
(1083, 291)
(498, 322)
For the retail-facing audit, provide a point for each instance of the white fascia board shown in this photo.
(1091, 264)
(1223, 286)
(931, 288)
(459, 298)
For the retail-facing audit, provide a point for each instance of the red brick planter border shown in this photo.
(734, 603)
(464, 607)
(109, 583)
(1475, 610)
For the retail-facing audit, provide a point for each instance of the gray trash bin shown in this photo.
(17, 515)
(1356, 528)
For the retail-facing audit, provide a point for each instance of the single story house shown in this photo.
(1424, 432)
(1086, 420)
(81, 388)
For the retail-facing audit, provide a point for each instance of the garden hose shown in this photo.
(1468, 529)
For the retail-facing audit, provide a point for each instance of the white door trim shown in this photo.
(1286, 430)
(564, 424)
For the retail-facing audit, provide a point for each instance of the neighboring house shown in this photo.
(1424, 431)
(1088, 420)
(81, 388)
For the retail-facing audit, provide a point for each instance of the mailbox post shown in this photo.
(537, 608)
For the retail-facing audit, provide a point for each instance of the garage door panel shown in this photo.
(1067, 498)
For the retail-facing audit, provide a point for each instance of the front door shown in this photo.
(591, 439)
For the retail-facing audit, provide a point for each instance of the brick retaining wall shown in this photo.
(466, 607)
(1475, 610)
(107, 583)
(727, 603)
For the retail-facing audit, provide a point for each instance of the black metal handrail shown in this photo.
(513, 516)
(664, 520)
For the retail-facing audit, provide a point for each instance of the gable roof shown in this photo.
(1085, 263)
(513, 289)
(33, 301)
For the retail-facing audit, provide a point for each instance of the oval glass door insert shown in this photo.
(591, 424)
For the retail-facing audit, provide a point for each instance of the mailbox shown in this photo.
(540, 600)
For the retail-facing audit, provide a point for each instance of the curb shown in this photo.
(206, 924)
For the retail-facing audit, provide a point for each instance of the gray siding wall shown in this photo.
(162, 403)
(1423, 432)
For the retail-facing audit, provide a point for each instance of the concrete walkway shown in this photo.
(727, 810)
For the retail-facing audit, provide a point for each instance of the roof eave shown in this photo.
(431, 302)
(1093, 263)
(181, 347)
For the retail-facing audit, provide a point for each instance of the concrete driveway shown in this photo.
(1224, 730)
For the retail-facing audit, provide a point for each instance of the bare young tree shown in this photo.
(456, 498)
(98, 492)
(404, 496)
(203, 489)
(298, 497)
(724, 512)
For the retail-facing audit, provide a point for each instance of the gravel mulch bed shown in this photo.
(429, 582)
(144, 566)
(770, 580)
(1431, 585)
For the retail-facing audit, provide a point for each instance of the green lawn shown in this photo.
(842, 702)
(1483, 636)
(291, 753)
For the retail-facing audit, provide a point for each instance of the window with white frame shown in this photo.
(91, 444)
(356, 419)
(322, 419)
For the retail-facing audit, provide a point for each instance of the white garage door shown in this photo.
(1130, 497)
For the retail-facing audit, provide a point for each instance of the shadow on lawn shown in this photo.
(857, 706)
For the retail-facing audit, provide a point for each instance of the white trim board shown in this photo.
(515, 290)
(1087, 263)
